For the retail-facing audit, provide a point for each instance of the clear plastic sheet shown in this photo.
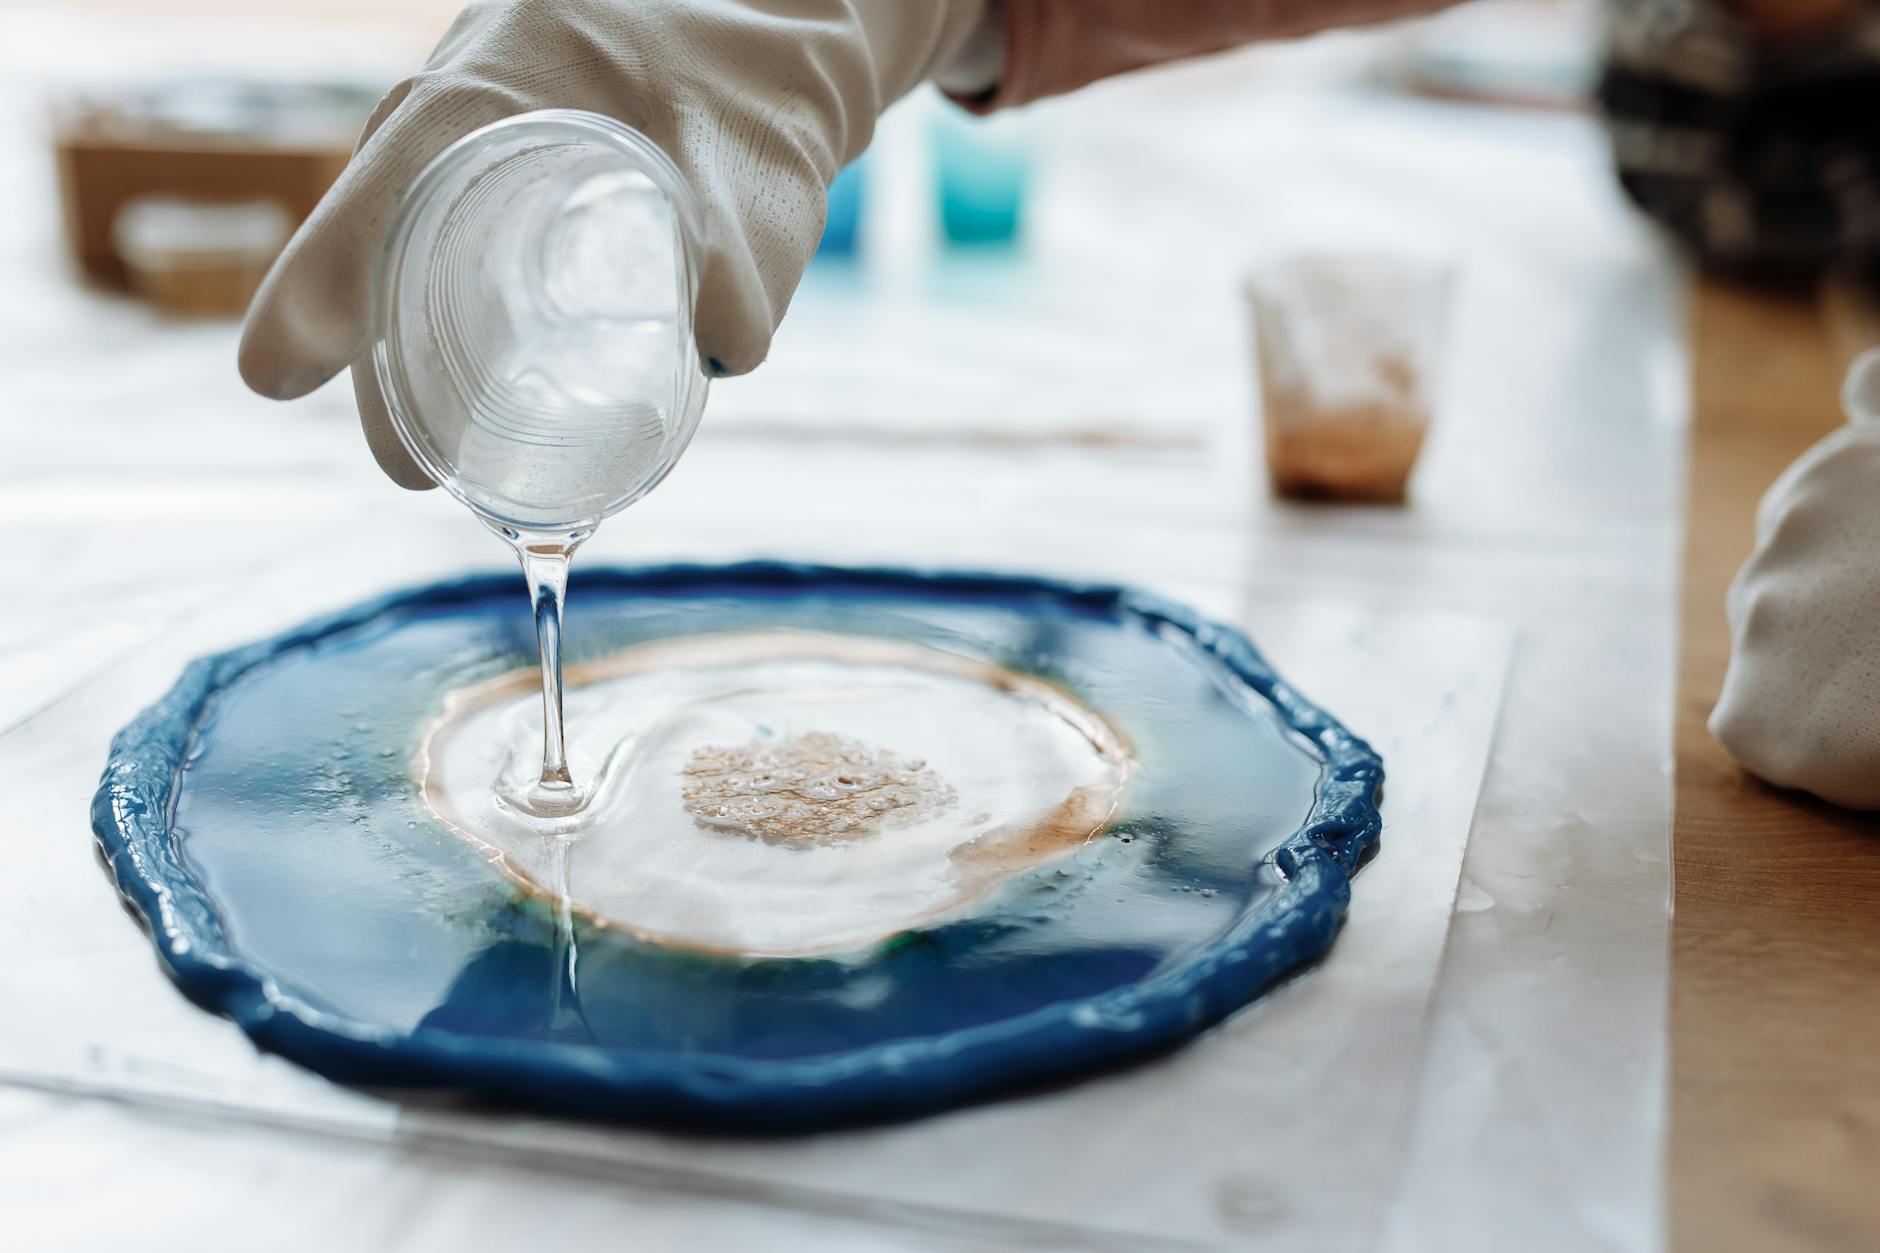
(1201, 1146)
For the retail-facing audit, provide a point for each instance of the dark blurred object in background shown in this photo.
(1751, 129)
(224, 145)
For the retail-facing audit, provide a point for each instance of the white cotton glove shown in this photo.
(1801, 703)
(758, 102)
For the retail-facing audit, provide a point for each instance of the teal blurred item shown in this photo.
(983, 169)
(843, 228)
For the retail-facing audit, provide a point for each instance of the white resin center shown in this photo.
(780, 793)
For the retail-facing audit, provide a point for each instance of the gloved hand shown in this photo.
(1801, 703)
(758, 102)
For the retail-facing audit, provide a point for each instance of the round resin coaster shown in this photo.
(858, 844)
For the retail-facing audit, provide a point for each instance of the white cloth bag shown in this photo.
(1801, 703)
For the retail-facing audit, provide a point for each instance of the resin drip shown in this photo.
(781, 793)
(565, 1016)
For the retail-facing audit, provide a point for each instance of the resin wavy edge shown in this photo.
(133, 819)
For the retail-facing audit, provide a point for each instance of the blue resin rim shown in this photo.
(133, 815)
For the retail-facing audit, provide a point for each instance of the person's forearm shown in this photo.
(1054, 46)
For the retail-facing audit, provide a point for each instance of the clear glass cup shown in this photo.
(535, 308)
(536, 351)
(1349, 349)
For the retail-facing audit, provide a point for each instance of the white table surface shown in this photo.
(137, 481)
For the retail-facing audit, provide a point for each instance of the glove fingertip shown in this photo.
(266, 377)
(730, 342)
(732, 317)
(296, 337)
(266, 365)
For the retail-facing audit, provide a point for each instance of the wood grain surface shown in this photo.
(1775, 1002)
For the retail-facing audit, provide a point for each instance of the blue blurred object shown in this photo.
(843, 228)
(983, 169)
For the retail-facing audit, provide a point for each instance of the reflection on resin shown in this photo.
(778, 793)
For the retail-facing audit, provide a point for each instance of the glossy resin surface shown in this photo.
(264, 820)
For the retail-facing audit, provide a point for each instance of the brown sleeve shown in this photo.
(1054, 46)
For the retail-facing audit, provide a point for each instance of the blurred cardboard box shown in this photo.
(214, 141)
